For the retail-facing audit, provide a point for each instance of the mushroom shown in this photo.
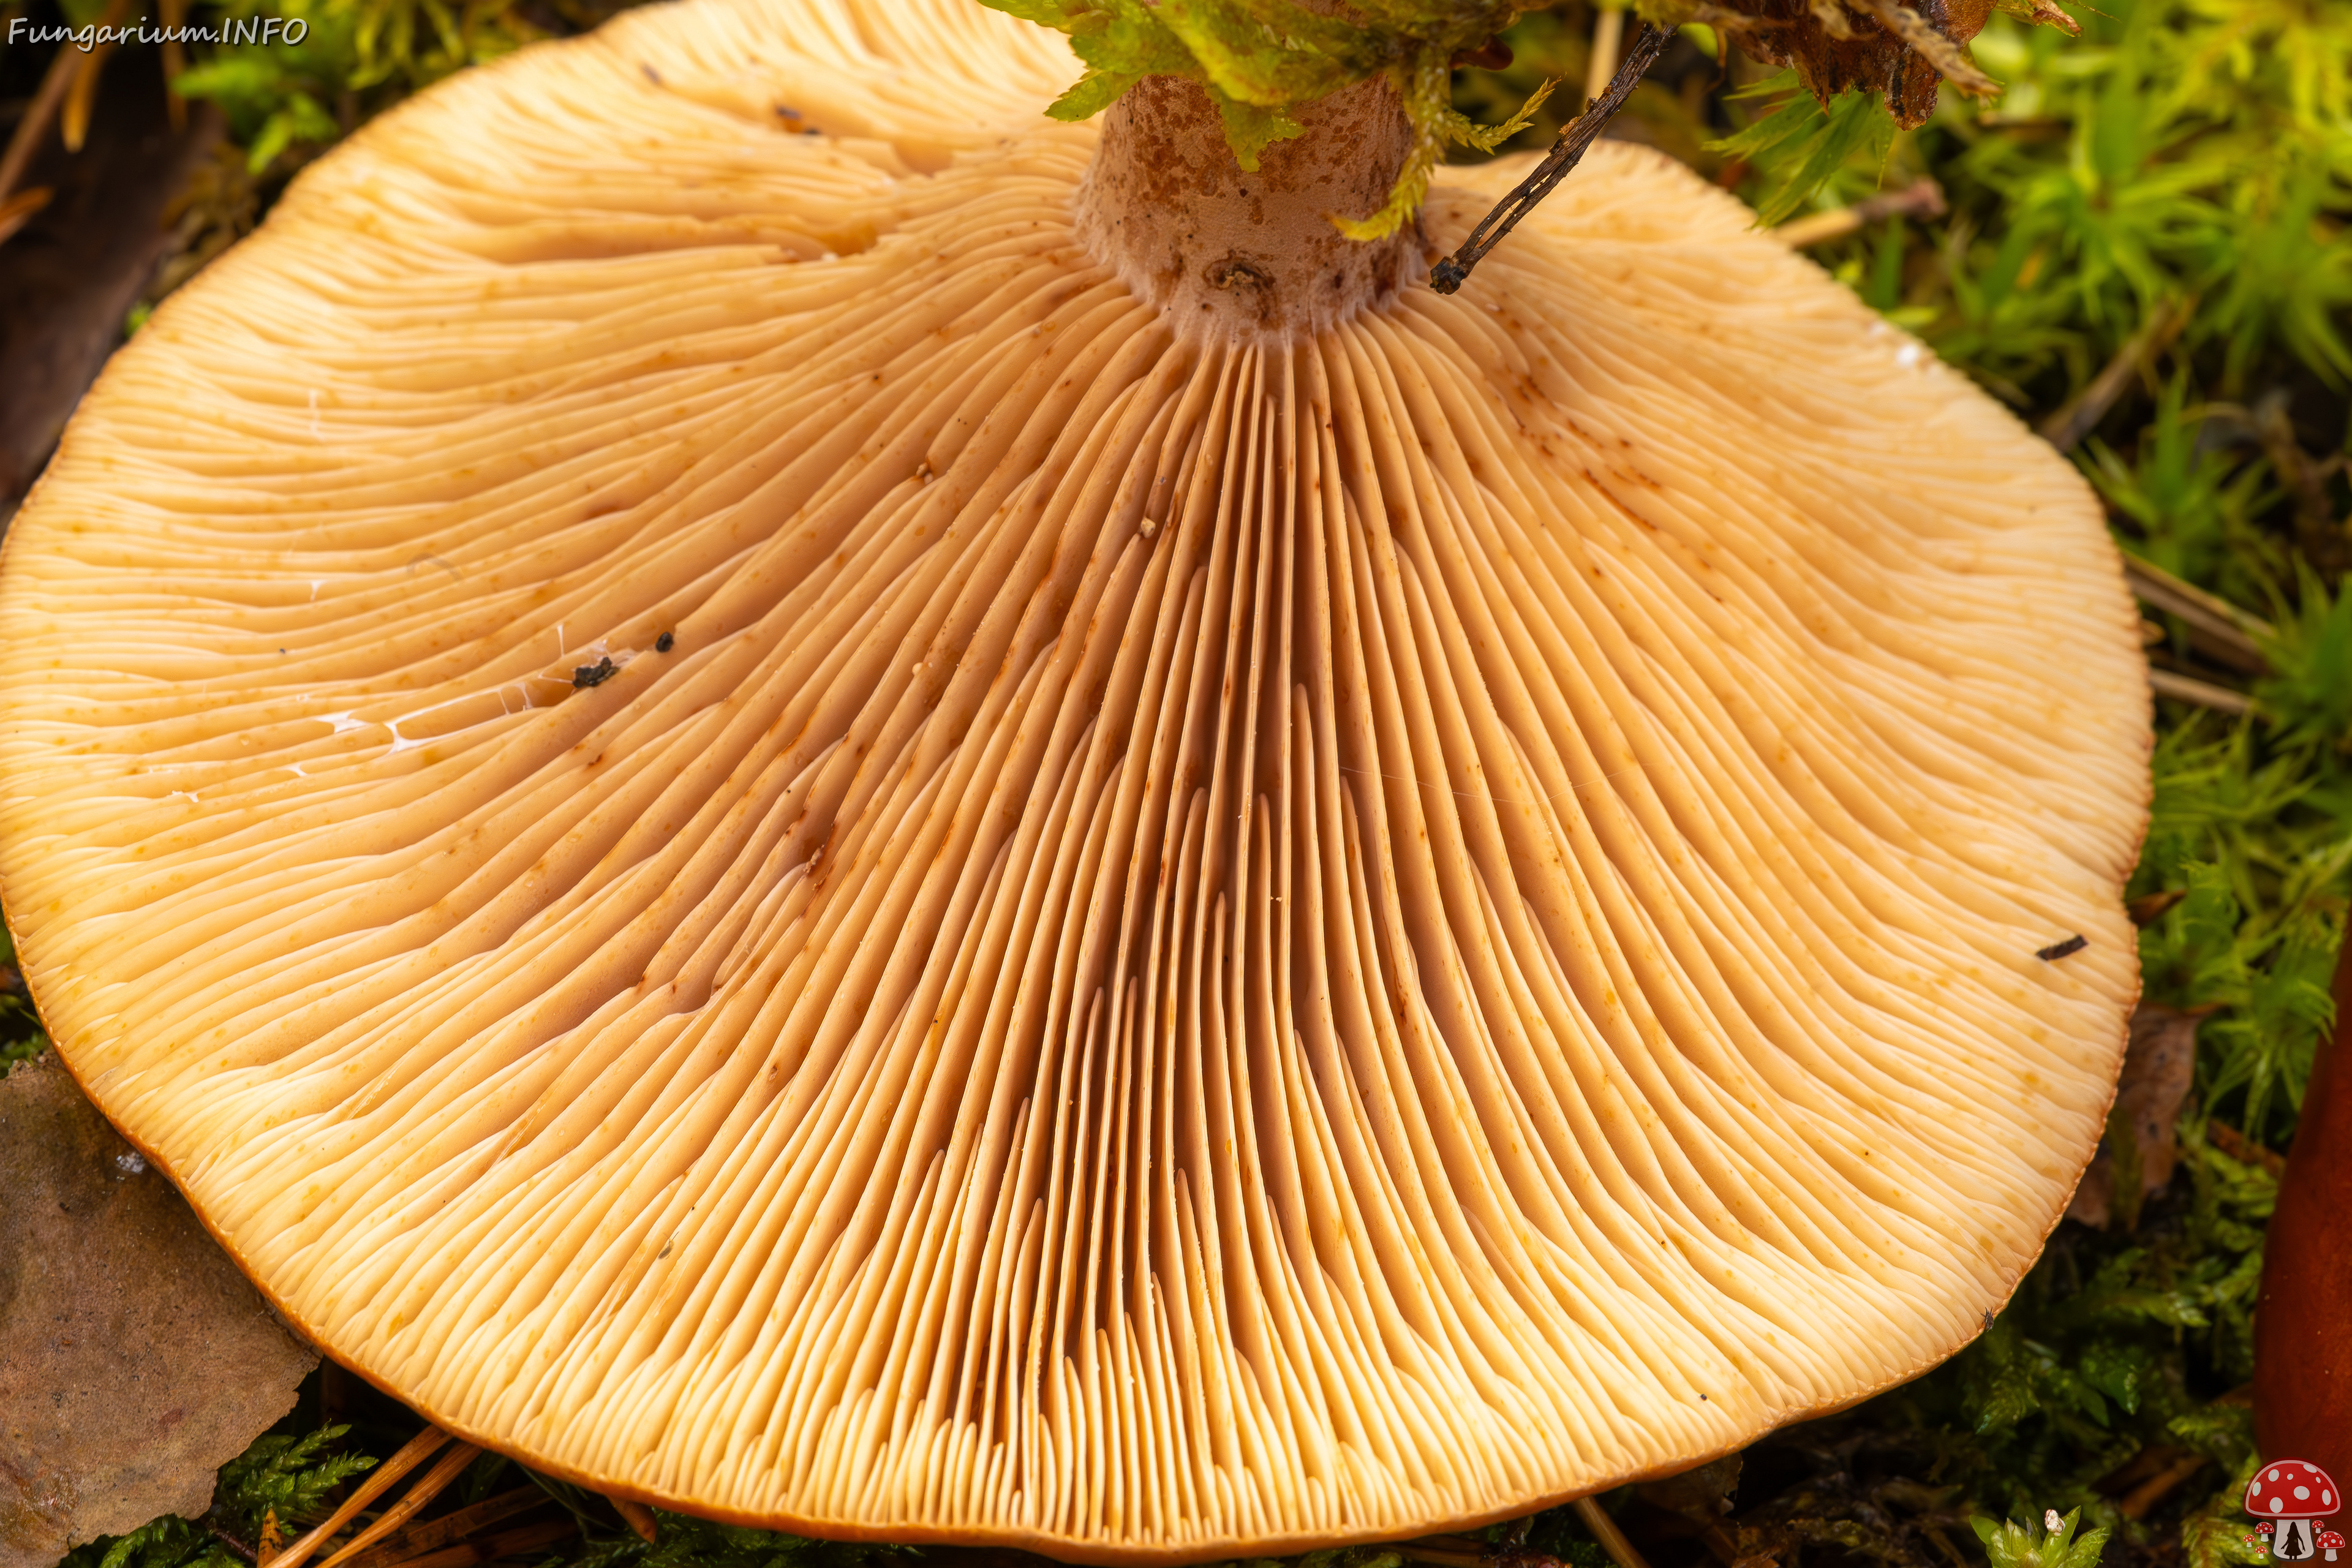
(2291, 1494)
(2330, 1543)
(2302, 1319)
(830, 805)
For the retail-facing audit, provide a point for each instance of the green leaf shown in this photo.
(228, 77)
(2310, 688)
(1487, 138)
(299, 120)
(1251, 129)
(1062, 16)
(2116, 1371)
(1801, 144)
(2010, 1545)
(1091, 94)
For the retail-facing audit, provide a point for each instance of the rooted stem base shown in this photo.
(1226, 251)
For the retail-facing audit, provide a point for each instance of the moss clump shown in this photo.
(1261, 58)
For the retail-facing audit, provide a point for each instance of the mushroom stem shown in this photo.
(1226, 252)
(2303, 1327)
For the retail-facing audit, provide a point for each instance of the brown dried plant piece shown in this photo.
(134, 1359)
(2159, 1066)
(1702, 1495)
(1904, 52)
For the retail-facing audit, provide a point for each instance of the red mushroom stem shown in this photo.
(2302, 1326)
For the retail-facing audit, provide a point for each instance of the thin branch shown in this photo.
(231, 1542)
(1575, 137)
(2203, 693)
(175, 60)
(1608, 38)
(1921, 198)
(2305, 481)
(1604, 1530)
(1724, 19)
(1831, 15)
(422, 1539)
(2144, 1497)
(73, 119)
(422, 1490)
(34, 124)
(2217, 628)
(2244, 1151)
(418, 1449)
(1943, 1543)
(70, 84)
(20, 209)
(2081, 414)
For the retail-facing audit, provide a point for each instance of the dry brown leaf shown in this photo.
(1702, 1494)
(134, 1359)
(1880, 45)
(2158, 1068)
(2046, 14)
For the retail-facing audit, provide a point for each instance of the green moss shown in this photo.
(21, 1039)
(1259, 60)
(280, 1482)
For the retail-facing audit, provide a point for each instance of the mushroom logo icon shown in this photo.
(2330, 1543)
(2294, 1493)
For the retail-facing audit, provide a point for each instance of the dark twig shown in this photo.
(2306, 482)
(1575, 137)
(2244, 1151)
(419, 1448)
(225, 1539)
(2202, 693)
(2081, 414)
(1608, 38)
(2217, 628)
(421, 1491)
(1921, 198)
(1724, 20)
(2143, 1498)
(32, 125)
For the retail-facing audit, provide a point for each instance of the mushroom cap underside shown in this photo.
(751, 837)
